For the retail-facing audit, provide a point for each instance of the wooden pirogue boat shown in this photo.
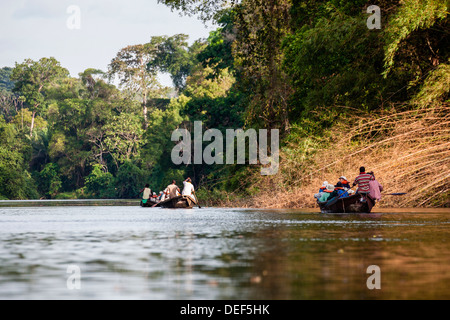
(181, 202)
(147, 204)
(356, 203)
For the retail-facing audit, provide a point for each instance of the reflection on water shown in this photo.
(128, 252)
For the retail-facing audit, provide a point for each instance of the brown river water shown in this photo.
(117, 250)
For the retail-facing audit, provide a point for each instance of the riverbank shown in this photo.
(408, 150)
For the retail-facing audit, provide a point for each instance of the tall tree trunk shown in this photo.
(145, 111)
(32, 123)
(145, 117)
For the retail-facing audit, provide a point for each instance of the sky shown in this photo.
(85, 34)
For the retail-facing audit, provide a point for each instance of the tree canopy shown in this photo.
(298, 66)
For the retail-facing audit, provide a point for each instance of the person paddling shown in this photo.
(375, 188)
(147, 192)
(188, 189)
(362, 180)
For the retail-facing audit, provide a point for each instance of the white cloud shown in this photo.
(40, 9)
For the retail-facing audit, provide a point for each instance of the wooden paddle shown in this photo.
(198, 204)
(344, 194)
(394, 194)
(155, 205)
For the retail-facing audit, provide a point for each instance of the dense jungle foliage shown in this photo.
(303, 67)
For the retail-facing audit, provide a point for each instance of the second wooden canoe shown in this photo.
(181, 202)
(356, 203)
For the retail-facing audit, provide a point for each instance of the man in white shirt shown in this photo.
(188, 189)
(147, 192)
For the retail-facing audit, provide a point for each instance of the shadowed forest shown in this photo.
(343, 95)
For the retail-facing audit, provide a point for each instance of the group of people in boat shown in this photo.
(171, 191)
(365, 181)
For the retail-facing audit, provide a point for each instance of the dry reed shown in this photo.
(408, 151)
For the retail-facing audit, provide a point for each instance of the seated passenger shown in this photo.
(172, 190)
(324, 187)
(342, 187)
(154, 198)
(343, 183)
(321, 190)
(328, 194)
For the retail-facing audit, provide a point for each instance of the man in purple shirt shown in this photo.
(375, 188)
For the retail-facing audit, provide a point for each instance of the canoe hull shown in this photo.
(357, 203)
(181, 202)
(148, 204)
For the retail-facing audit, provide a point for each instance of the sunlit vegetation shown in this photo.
(342, 95)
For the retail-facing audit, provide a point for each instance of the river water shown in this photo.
(114, 250)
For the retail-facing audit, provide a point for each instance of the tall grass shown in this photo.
(407, 147)
(409, 151)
